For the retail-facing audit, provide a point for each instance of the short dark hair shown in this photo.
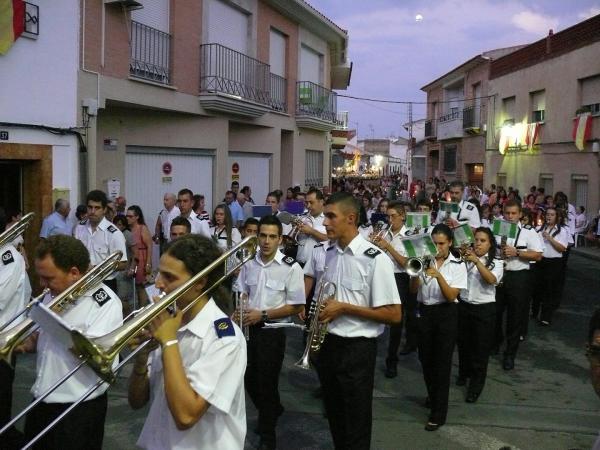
(181, 221)
(271, 220)
(275, 194)
(235, 183)
(121, 220)
(456, 183)
(512, 203)
(424, 202)
(582, 208)
(65, 251)
(80, 211)
(318, 193)
(97, 196)
(346, 199)
(185, 191)
(245, 189)
(251, 221)
(397, 206)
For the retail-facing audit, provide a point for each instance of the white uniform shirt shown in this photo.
(96, 313)
(199, 225)
(527, 239)
(316, 265)
(363, 276)
(278, 283)
(454, 272)
(166, 217)
(306, 243)
(101, 243)
(478, 290)
(15, 289)
(365, 231)
(467, 213)
(396, 240)
(220, 237)
(213, 353)
(563, 236)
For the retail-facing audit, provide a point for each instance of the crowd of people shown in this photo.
(478, 296)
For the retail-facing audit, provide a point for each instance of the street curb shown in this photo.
(584, 254)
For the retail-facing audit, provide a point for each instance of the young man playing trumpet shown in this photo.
(195, 375)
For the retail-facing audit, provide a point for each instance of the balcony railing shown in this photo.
(472, 117)
(316, 101)
(227, 71)
(150, 53)
(452, 115)
(342, 120)
(278, 93)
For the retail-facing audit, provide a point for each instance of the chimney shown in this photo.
(549, 41)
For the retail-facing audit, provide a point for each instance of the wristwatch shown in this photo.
(265, 316)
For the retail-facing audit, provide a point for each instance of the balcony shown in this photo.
(150, 53)
(234, 83)
(278, 93)
(316, 106)
(429, 129)
(450, 125)
(472, 120)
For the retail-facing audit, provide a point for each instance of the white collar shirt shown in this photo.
(467, 213)
(15, 289)
(102, 242)
(527, 239)
(96, 313)
(306, 243)
(198, 224)
(396, 241)
(219, 236)
(166, 217)
(272, 285)
(363, 276)
(214, 366)
(316, 265)
(580, 223)
(365, 231)
(55, 224)
(454, 272)
(478, 290)
(563, 236)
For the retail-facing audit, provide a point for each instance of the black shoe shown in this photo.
(508, 363)
(408, 349)
(432, 426)
(472, 397)
(461, 381)
(391, 371)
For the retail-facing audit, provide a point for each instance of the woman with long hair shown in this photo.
(437, 296)
(477, 313)
(143, 250)
(223, 232)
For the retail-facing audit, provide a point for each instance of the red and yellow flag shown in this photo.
(582, 129)
(12, 22)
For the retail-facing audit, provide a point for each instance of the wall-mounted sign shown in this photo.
(3, 135)
(167, 168)
(110, 145)
(167, 180)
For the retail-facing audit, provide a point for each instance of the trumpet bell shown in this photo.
(414, 267)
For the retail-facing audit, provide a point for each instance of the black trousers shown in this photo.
(82, 428)
(11, 438)
(475, 340)
(513, 298)
(266, 349)
(409, 319)
(536, 280)
(438, 326)
(346, 369)
(552, 276)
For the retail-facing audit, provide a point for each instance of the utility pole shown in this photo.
(409, 148)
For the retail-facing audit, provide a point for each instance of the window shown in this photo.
(501, 179)
(227, 25)
(311, 65)
(538, 106)
(579, 190)
(314, 168)
(590, 94)
(547, 182)
(508, 110)
(450, 158)
(277, 44)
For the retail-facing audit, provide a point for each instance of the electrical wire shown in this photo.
(405, 102)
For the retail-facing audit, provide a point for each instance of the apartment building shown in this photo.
(200, 93)
(456, 122)
(541, 92)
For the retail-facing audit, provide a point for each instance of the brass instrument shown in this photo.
(503, 240)
(241, 306)
(100, 352)
(417, 266)
(380, 230)
(10, 338)
(16, 230)
(463, 249)
(316, 330)
(290, 240)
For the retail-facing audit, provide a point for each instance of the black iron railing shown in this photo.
(224, 70)
(278, 93)
(469, 117)
(315, 100)
(150, 53)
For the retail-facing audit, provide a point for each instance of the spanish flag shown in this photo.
(582, 129)
(12, 22)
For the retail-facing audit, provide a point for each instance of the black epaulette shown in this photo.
(470, 207)
(289, 260)
(112, 229)
(7, 258)
(83, 222)
(318, 245)
(372, 252)
(331, 247)
(492, 265)
(224, 327)
(528, 227)
(456, 262)
(199, 217)
(101, 296)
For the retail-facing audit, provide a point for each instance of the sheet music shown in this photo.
(52, 324)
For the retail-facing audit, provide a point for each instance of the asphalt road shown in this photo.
(547, 402)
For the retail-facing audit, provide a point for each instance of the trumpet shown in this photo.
(316, 330)
(15, 231)
(417, 266)
(241, 305)
(380, 230)
(463, 249)
(10, 338)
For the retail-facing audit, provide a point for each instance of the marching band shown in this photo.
(198, 364)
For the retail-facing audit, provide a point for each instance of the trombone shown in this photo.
(15, 231)
(99, 353)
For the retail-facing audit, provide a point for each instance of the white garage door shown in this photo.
(146, 184)
(255, 171)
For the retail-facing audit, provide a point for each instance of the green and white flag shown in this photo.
(449, 207)
(504, 228)
(419, 246)
(463, 235)
(417, 219)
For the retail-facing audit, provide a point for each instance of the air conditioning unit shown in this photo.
(129, 4)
